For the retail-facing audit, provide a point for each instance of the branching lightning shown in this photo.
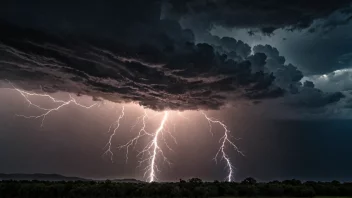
(115, 125)
(156, 149)
(61, 103)
(142, 132)
(153, 150)
(224, 140)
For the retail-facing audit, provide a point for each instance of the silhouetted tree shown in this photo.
(195, 188)
(249, 181)
(195, 181)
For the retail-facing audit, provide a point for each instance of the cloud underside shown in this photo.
(125, 53)
(194, 77)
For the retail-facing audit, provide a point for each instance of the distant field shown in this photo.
(192, 188)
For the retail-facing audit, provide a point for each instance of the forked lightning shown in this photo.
(113, 126)
(224, 141)
(153, 150)
(47, 111)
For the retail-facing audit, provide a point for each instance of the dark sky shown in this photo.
(277, 74)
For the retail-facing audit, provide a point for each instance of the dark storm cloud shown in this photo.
(288, 77)
(258, 61)
(308, 83)
(231, 45)
(265, 16)
(267, 59)
(338, 18)
(185, 76)
(314, 53)
(310, 97)
(121, 52)
(233, 48)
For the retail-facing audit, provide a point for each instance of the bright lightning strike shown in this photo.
(115, 126)
(224, 140)
(142, 132)
(156, 148)
(153, 148)
(61, 103)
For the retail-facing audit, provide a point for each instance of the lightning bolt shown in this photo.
(61, 103)
(115, 125)
(224, 140)
(153, 149)
(142, 132)
(156, 148)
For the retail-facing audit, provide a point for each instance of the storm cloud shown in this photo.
(192, 77)
(126, 53)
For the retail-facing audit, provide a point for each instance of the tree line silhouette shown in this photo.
(192, 188)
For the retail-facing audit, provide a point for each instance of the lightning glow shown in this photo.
(224, 140)
(153, 151)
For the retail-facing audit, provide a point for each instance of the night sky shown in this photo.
(277, 73)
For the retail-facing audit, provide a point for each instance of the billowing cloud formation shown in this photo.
(339, 80)
(288, 77)
(265, 16)
(122, 52)
(189, 77)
